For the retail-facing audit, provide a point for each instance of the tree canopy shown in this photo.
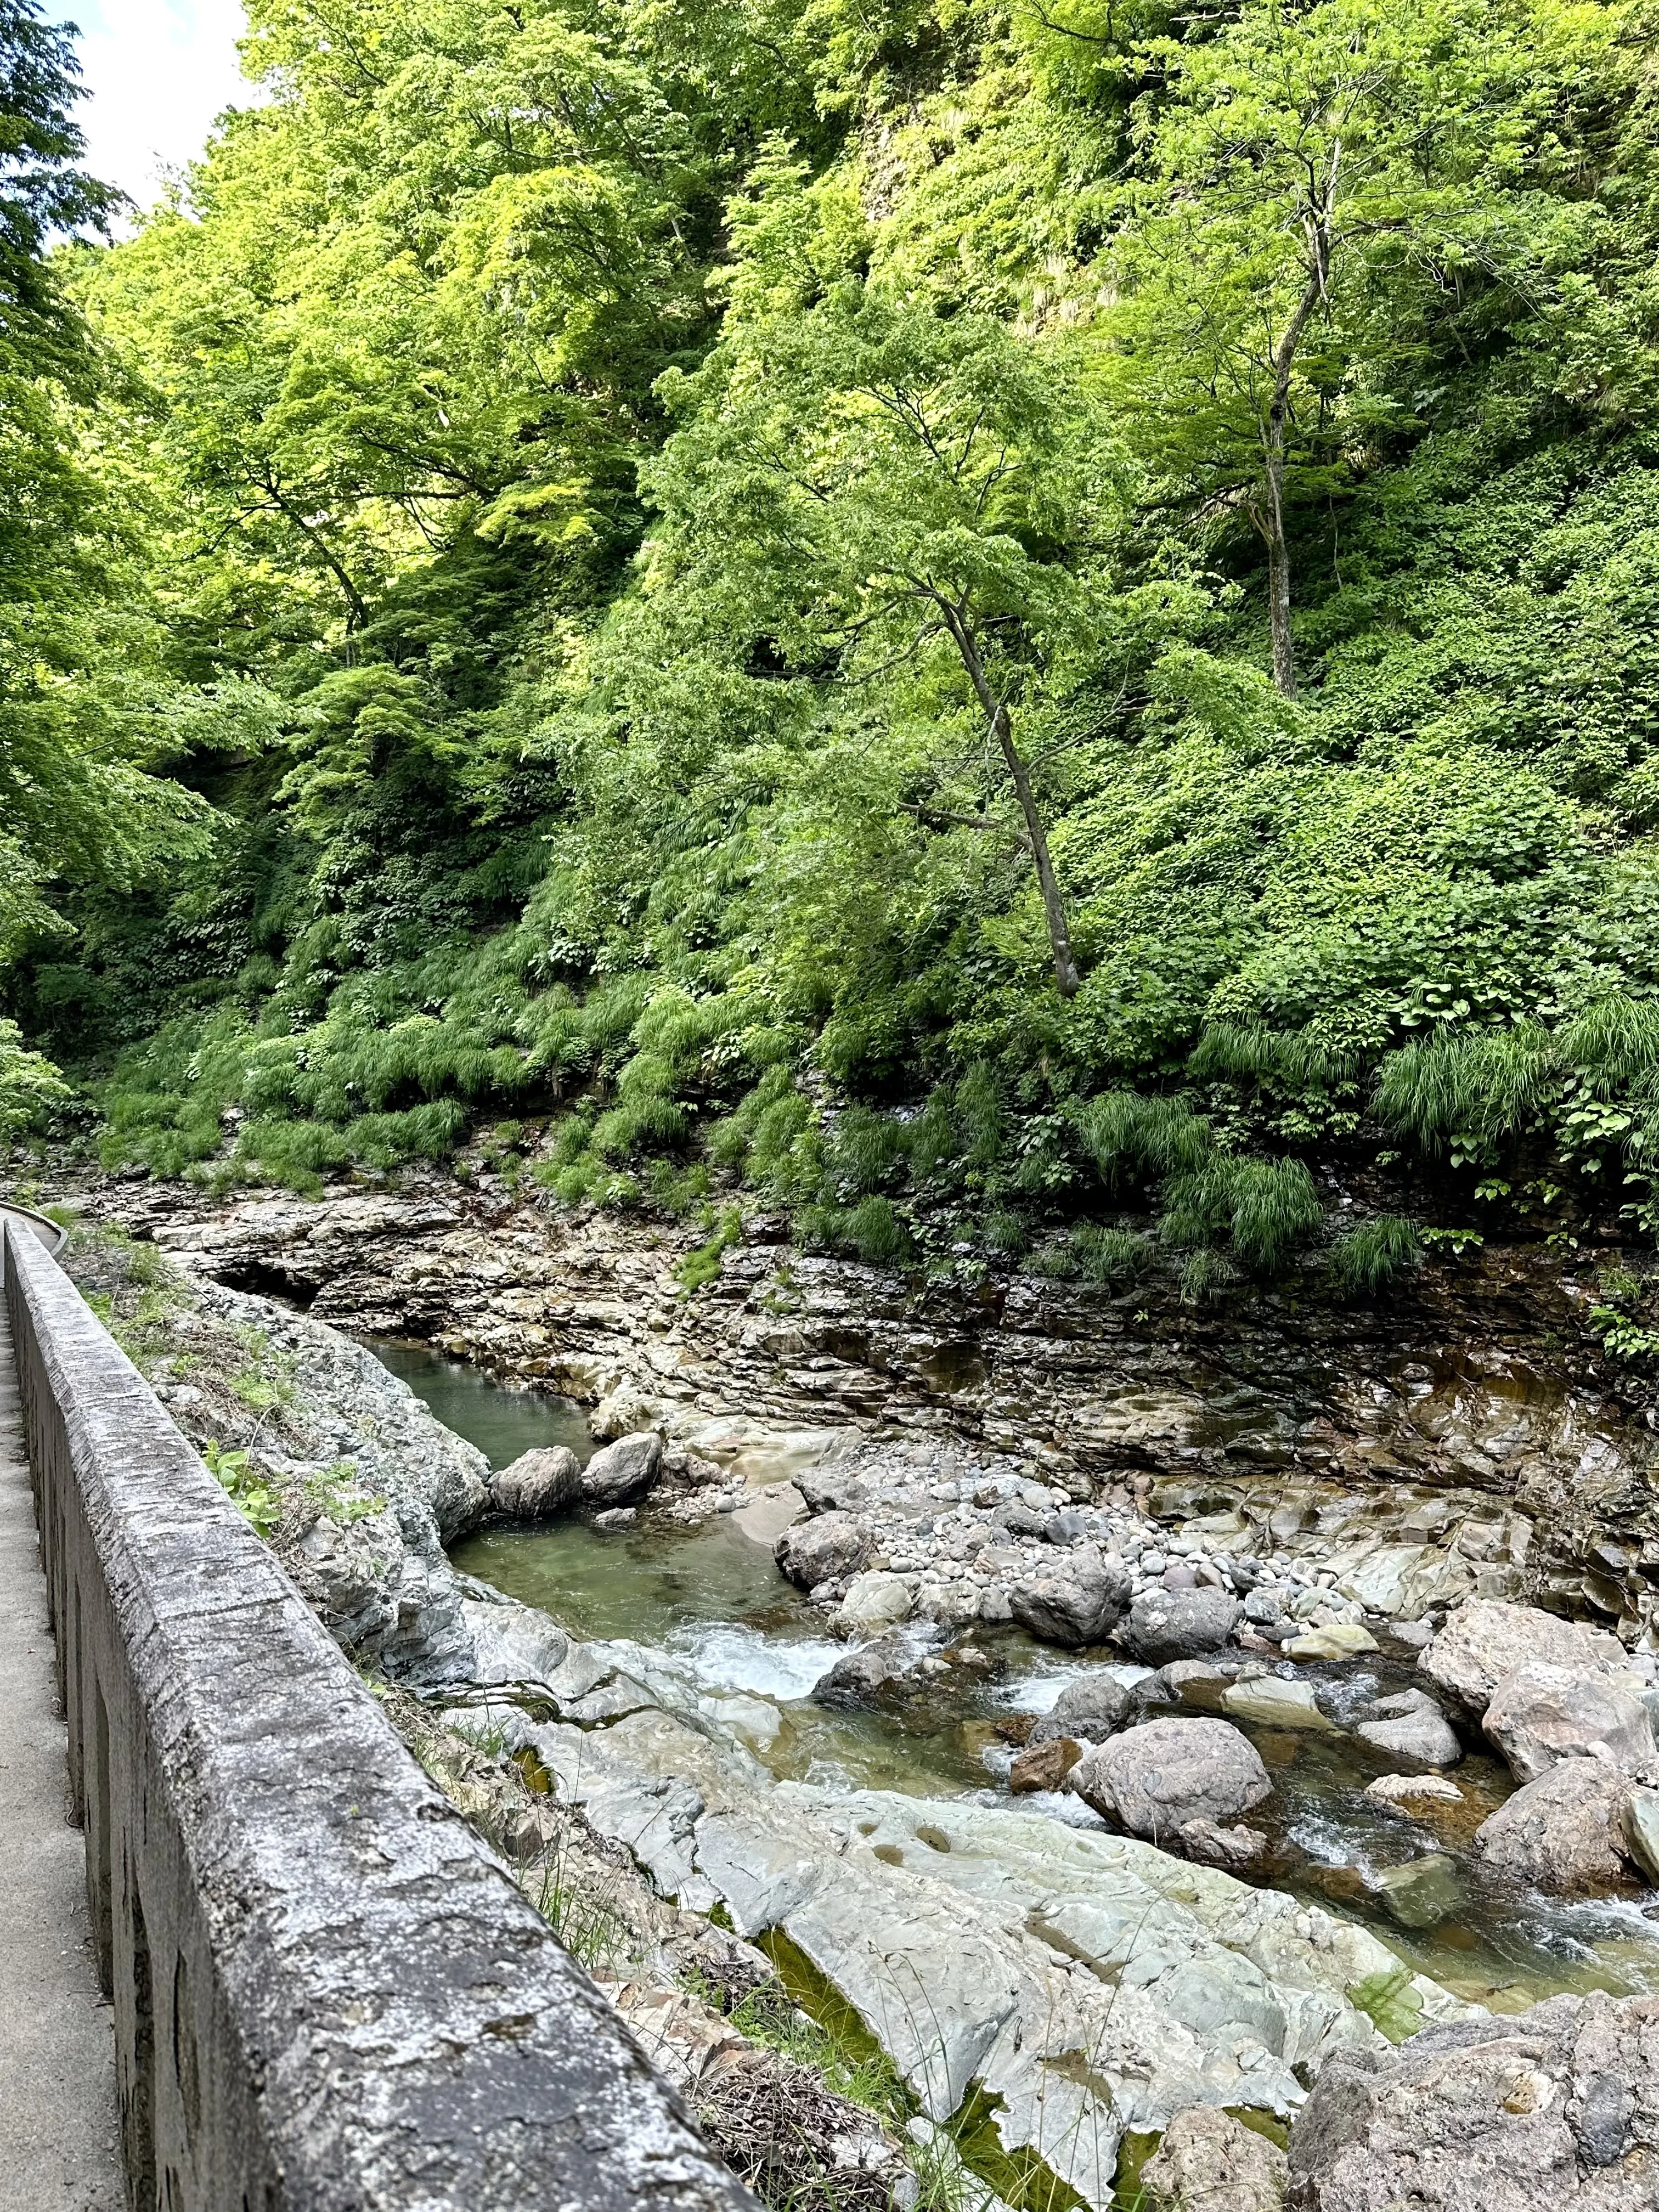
(958, 618)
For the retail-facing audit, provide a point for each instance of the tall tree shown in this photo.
(876, 484)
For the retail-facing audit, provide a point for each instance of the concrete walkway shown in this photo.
(56, 2045)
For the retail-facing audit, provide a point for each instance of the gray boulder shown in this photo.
(1563, 1833)
(862, 1674)
(1540, 1714)
(1078, 1603)
(538, 1483)
(1166, 1625)
(622, 1471)
(830, 1548)
(1210, 2162)
(1153, 1779)
(1551, 2108)
(1485, 1640)
(1641, 1831)
(1092, 1709)
(1411, 1726)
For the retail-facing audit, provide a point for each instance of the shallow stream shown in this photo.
(711, 1594)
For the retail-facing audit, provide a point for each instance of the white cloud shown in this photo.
(157, 72)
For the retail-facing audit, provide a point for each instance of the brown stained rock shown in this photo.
(1232, 1849)
(1553, 2110)
(1044, 1766)
(1210, 2162)
(1563, 1833)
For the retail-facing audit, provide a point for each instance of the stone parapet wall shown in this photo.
(327, 1993)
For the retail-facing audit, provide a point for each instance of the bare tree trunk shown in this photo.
(1269, 513)
(1002, 729)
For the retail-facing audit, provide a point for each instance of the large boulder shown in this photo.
(1486, 1639)
(1210, 2162)
(1410, 1725)
(1078, 1603)
(830, 1548)
(1564, 1831)
(622, 1471)
(1092, 1709)
(1540, 1714)
(538, 1483)
(1152, 1780)
(1166, 1625)
(1542, 2112)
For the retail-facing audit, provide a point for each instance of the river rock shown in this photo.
(622, 1471)
(1410, 1725)
(1271, 1702)
(1075, 1604)
(1421, 1893)
(1486, 1640)
(1235, 1848)
(876, 1601)
(830, 1548)
(1166, 1625)
(1093, 1709)
(1540, 1714)
(1152, 1779)
(1210, 2162)
(1397, 1791)
(1544, 2111)
(1044, 1766)
(538, 1483)
(1337, 1640)
(1563, 1833)
(860, 1677)
(1642, 1830)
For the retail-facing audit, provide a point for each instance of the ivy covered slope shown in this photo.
(991, 624)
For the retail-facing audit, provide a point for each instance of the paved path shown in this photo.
(56, 2045)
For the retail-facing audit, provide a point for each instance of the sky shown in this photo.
(157, 72)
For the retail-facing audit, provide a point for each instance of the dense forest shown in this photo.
(1016, 629)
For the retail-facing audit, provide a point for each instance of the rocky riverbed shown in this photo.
(1069, 1940)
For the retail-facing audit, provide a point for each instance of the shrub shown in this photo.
(1374, 1255)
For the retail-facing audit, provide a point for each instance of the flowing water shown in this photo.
(711, 1594)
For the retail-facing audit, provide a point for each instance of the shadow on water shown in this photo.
(501, 1421)
(712, 1597)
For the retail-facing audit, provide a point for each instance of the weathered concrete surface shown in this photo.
(56, 2045)
(328, 1993)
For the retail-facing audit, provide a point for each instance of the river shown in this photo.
(711, 1596)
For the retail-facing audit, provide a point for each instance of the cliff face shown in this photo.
(1463, 1437)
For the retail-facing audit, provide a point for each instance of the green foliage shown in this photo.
(576, 580)
(31, 1089)
(255, 1500)
(1374, 1255)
